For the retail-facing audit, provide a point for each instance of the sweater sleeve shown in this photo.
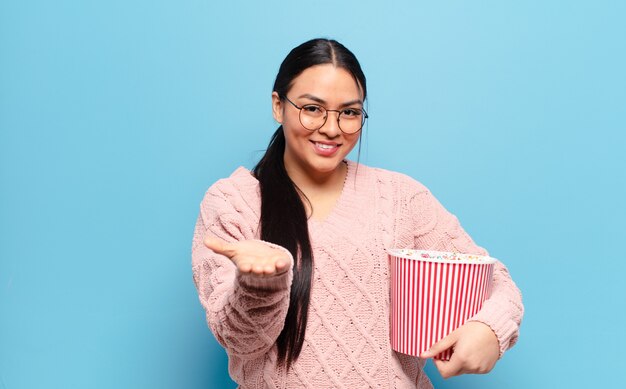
(246, 313)
(437, 229)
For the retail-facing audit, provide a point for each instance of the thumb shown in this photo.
(439, 347)
(219, 246)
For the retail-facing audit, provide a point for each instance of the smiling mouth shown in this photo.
(325, 149)
(326, 146)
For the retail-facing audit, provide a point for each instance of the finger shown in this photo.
(269, 269)
(442, 366)
(219, 246)
(281, 265)
(447, 369)
(440, 346)
(245, 267)
(257, 268)
(451, 368)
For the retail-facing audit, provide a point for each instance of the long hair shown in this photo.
(283, 215)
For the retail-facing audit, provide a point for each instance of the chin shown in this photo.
(327, 166)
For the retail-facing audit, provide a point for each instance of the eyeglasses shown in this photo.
(314, 116)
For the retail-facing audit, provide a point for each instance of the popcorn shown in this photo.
(440, 256)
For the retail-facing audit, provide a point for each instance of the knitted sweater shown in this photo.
(347, 335)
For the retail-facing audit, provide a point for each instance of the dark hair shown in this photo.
(283, 216)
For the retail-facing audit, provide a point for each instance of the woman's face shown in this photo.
(317, 154)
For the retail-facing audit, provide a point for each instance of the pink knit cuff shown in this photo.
(500, 322)
(268, 283)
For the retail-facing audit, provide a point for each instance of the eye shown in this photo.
(312, 109)
(351, 112)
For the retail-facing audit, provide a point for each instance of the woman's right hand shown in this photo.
(252, 256)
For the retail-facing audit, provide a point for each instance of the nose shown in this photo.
(331, 127)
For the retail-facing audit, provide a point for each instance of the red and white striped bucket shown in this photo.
(432, 294)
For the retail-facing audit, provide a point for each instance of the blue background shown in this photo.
(116, 116)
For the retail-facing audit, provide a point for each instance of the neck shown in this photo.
(321, 182)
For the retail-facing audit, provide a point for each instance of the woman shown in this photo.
(289, 259)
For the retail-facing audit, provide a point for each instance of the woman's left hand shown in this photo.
(476, 350)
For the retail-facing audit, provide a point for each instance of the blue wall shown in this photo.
(115, 117)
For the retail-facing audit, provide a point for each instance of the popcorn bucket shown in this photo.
(432, 294)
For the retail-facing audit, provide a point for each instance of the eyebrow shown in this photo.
(322, 101)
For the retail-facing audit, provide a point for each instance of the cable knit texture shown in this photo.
(347, 337)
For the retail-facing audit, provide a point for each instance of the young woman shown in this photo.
(289, 260)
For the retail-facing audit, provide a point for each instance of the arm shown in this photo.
(437, 229)
(245, 311)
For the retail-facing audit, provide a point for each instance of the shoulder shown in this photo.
(240, 183)
(240, 192)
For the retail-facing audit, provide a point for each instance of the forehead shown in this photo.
(330, 83)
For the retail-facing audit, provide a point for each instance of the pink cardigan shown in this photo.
(347, 336)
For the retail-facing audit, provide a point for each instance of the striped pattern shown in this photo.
(431, 299)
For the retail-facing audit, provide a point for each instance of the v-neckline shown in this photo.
(347, 184)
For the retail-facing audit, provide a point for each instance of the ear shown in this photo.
(277, 108)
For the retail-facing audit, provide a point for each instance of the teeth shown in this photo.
(324, 146)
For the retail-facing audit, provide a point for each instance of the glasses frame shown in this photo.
(339, 112)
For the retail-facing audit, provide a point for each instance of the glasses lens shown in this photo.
(351, 120)
(312, 116)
